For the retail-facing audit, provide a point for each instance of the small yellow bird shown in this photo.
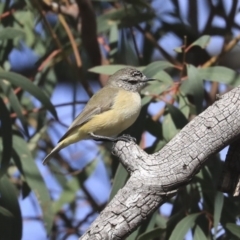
(109, 112)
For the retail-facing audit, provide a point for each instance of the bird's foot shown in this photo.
(126, 138)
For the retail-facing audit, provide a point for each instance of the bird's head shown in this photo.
(129, 79)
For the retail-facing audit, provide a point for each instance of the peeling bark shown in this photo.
(156, 177)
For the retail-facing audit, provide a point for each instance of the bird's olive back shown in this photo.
(129, 79)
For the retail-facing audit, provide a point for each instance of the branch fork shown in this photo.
(156, 177)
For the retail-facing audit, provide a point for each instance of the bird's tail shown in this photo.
(55, 150)
(64, 143)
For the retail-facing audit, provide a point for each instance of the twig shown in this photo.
(8, 13)
(132, 34)
(151, 38)
(72, 40)
(36, 110)
(51, 56)
(227, 48)
(184, 49)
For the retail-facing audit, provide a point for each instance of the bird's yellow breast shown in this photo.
(123, 114)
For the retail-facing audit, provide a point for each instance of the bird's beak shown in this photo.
(149, 79)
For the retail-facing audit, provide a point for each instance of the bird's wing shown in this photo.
(100, 102)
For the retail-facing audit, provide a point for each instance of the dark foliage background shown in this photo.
(68, 48)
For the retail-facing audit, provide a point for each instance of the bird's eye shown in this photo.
(133, 82)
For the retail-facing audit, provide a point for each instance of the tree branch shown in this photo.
(156, 177)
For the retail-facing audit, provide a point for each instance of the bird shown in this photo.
(109, 112)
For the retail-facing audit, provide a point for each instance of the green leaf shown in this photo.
(155, 88)
(20, 81)
(134, 234)
(234, 229)
(218, 205)
(199, 234)
(6, 129)
(184, 105)
(160, 144)
(27, 20)
(146, 226)
(10, 214)
(220, 74)
(183, 226)
(107, 69)
(177, 116)
(202, 42)
(68, 195)
(131, 16)
(6, 87)
(156, 67)
(126, 52)
(113, 37)
(10, 33)
(155, 233)
(163, 77)
(5, 213)
(161, 222)
(119, 180)
(34, 179)
(146, 100)
(168, 127)
(194, 86)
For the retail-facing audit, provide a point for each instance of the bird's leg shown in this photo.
(102, 138)
(125, 138)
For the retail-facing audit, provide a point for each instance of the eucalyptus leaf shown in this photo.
(10, 213)
(194, 86)
(107, 69)
(202, 42)
(199, 234)
(234, 229)
(113, 37)
(220, 74)
(34, 179)
(169, 129)
(6, 87)
(154, 233)
(10, 33)
(5, 212)
(119, 180)
(20, 81)
(184, 105)
(183, 226)
(218, 205)
(156, 67)
(177, 116)
(6, 130)
(124, 17)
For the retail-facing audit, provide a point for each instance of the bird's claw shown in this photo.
(126, 138)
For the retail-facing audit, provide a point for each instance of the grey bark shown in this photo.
(156, 177)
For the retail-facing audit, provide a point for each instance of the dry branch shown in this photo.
(156, 177)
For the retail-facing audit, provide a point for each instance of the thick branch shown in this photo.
(158, 176)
